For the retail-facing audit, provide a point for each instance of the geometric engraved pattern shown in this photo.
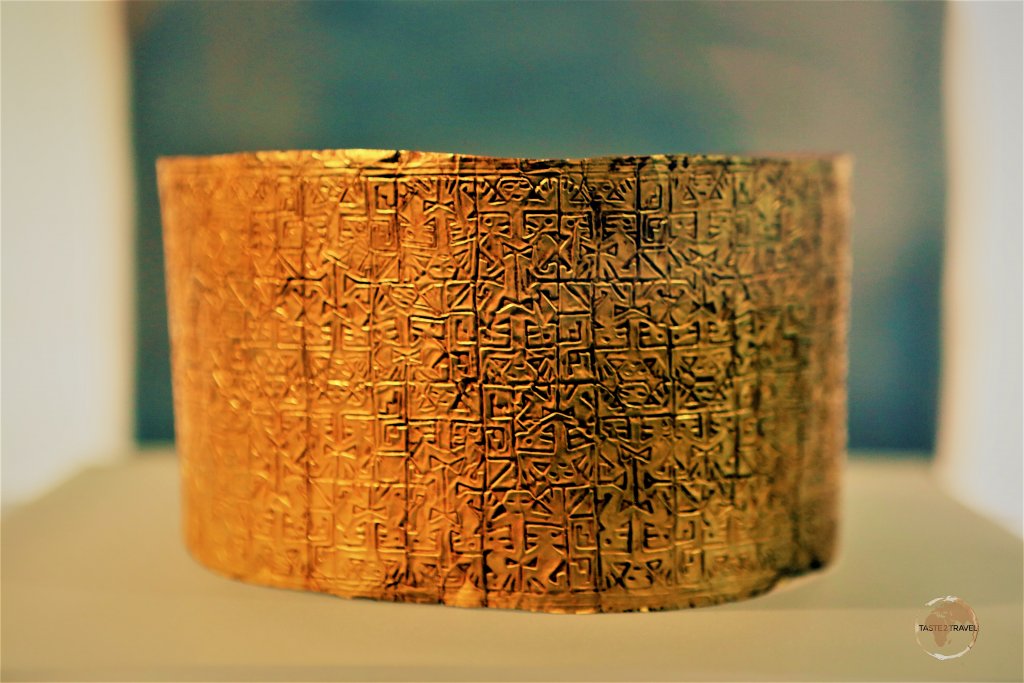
(590, 385)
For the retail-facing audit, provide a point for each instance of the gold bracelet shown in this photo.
(588, 385)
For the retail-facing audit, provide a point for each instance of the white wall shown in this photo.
(980, 450)
(66, 235)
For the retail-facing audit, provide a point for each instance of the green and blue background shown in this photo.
(554, 79)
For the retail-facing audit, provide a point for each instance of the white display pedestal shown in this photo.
(97, 585)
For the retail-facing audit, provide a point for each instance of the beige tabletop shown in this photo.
(96, 584)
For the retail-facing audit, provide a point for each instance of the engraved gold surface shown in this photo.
(587, 385)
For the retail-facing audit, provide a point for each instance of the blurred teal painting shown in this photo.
(556, 79)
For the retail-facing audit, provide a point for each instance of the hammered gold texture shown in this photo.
(591, 385)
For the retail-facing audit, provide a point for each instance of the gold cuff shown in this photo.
(589, 385)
